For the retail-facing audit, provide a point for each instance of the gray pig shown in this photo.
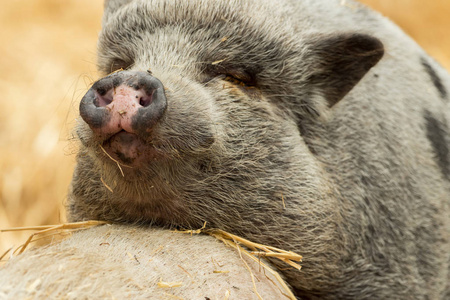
(315, 126)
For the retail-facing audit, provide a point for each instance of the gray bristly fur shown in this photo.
(355, 148)
(129, 262)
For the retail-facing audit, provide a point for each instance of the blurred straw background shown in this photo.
(47, 58)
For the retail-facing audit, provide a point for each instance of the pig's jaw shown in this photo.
(129, 150)
(165, 212)
(147, 195)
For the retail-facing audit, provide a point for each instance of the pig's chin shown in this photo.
(129, 150)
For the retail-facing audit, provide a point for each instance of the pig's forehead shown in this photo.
(170, 11)
(247, 26)
(228, 15)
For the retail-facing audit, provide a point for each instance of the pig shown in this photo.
(125, 262)
(316, 126)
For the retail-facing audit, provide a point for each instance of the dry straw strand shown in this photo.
(218, 62)
(240, 250)
(168, 285)
(288, 293)
(287, 256)
(114, 160)
(49, 230)
(107, 186)
(227, 295)
(6, 253)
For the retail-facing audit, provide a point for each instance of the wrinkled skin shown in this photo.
(311, 126)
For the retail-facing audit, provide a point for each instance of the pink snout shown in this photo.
(121, 110)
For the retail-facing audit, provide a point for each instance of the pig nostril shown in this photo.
(102, 101)
(145, 100)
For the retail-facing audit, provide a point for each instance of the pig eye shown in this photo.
(236, 76)
(240, 77)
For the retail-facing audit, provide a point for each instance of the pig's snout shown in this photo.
(127, 101)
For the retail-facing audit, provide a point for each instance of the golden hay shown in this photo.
(169, 285)
(46, 231)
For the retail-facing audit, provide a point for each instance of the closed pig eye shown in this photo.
(239, 77)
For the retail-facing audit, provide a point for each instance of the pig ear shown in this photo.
(342, 60)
